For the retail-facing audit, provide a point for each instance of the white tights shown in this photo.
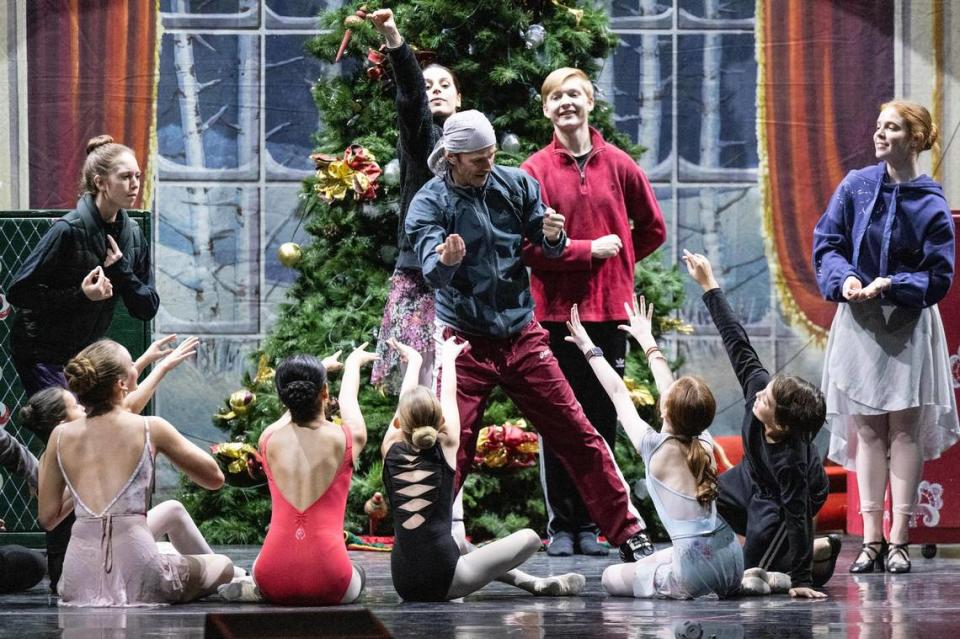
(879, 437)
(170, 519)
(498, 561)
(207, 570)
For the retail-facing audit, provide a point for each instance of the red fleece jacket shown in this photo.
(610, 196)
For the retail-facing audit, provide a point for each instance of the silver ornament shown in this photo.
(391, 172)
(534, 36)
(510, 143)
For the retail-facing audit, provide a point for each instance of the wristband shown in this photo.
(593, 352)
(653, 349)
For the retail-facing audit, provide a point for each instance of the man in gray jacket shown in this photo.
(466, 226)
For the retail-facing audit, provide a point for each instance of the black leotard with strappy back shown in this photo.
(419, 486)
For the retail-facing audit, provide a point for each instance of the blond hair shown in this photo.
(92, 373)
(420, 416)
(556, 79)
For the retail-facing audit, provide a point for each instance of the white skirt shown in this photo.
(883, 358)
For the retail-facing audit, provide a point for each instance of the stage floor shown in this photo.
(925, 603)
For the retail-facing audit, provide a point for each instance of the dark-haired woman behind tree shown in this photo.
(309, 462)
(705, 557)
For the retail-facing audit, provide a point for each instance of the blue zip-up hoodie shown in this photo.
(488, 293)
(917, 251)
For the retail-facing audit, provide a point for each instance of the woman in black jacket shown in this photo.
(425, 98)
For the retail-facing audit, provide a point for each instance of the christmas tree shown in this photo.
(500, 51)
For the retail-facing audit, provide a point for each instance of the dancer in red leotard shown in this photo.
(309, 463)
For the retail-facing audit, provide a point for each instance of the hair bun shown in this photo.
(932, 137)
(98, 141)
(81, 374)
(27, 415)
(299, 394)
(423, 437)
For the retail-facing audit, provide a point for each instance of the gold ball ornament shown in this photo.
(242, 400)
(289, 254)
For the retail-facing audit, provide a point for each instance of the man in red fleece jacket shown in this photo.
(612, 221)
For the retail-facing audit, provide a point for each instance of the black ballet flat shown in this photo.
(823, 568)
(872, 558)
(898, 559)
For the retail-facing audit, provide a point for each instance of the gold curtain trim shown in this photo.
(792, 312)
(151, 176)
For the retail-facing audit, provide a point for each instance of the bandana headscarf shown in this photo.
(463, 132)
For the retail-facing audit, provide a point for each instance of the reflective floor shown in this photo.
(924, 603)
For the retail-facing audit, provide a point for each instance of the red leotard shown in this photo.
(304, 558)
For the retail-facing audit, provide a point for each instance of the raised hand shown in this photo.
(113, 252)
(331, 363)
(158, 349)
(552, 225)
(184, 350)
(452, 349)
(606, 247)
(699, 268)
(640, 318)
(578, 334)
(452, 251)
(360, 357)
(96, 285)
(383, 22)
(406, 353)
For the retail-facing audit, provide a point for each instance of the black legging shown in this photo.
(20, 568)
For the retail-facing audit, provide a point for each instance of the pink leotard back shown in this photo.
(304, 558)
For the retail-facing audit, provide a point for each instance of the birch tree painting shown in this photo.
(209, 235)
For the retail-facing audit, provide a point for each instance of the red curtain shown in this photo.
(92, 68)
(825, 66)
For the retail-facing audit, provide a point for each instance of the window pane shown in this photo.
(717, 14)
(281, 220)
(724, 224)
(291, 114)
(208, 258)
(640, 14)
(716, 101)
(208, 106)
(210, 13)
(641, 93)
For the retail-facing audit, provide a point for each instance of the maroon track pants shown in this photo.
(525, 367)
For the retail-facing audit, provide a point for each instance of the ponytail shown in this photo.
(701, 467)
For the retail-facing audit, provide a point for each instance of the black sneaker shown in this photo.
(561, 545)
(636, 547)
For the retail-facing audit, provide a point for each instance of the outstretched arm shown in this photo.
(746, 363)
(632, 424)
(349, 390)
(450, 433)
(640, 327)
(138, 399)
(415, 121)
(411, 378)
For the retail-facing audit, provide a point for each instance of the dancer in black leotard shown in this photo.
(419, 454)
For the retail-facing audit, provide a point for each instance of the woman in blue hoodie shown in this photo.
(884, 249)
